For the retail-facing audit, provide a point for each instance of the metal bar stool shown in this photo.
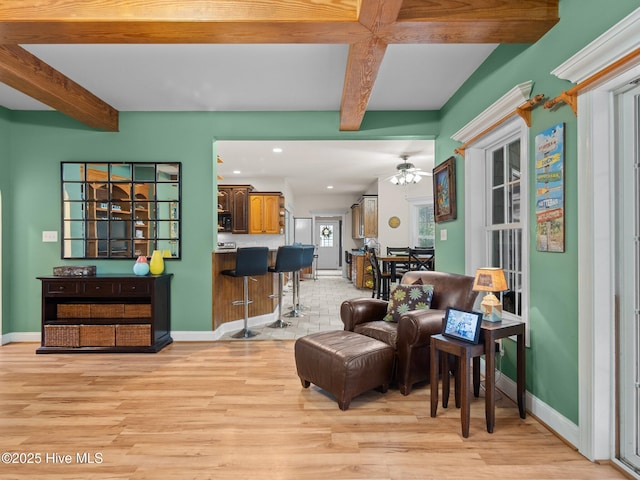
(288, 259)
(305, 261)
(250, 261)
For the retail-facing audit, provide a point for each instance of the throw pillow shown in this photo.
(404, 298)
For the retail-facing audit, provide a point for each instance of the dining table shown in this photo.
(389, 262)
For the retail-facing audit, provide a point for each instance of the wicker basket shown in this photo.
(97, 336)
(107, 310)
(137, 310)
(61, 336)
(74, 310)
(133, 335)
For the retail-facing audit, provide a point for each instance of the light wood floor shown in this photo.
(237, 410)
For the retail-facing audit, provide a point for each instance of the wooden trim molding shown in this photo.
(514, 102)
(570, 97)
(497, 110)
(611, 54)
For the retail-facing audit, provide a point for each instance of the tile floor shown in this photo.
(321, 298)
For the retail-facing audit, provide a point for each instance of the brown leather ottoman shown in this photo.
(343, 363)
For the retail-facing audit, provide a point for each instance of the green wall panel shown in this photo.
(44, 139)
(552, 360)
(5, 215)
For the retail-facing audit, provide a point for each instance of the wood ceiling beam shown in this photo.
(368, 26)
(363, 64)
(188, 21)
(459, 31)
(178, 32)
(472, 21)
(30, 75)
(364, 60)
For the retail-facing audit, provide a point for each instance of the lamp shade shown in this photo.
(490, 279)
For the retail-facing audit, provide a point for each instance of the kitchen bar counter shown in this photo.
(225, 289)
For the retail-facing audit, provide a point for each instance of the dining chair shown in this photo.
(381, 280)
(421, 258)
(401, 267)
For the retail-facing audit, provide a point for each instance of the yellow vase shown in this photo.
(156, 265)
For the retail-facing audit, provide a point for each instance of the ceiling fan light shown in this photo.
(417, 178)
(394, 180)
(410, 177)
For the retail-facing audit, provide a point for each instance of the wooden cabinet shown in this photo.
(266, 212)
(361, 274)
(105, 313)
(364, 217)
(355, 221)
(369, 216)
(233, 208)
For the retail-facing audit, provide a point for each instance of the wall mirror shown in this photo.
(121, 210)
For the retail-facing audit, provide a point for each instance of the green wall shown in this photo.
(5, 195)
(41, 140)
(552, 360)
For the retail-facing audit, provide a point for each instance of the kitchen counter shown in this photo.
(225, 289)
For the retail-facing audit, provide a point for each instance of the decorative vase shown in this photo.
(156, 266)
(141, 267)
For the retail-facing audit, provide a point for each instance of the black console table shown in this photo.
(106, 313)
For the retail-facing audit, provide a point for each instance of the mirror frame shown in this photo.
(120, 210)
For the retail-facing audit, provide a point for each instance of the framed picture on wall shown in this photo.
(444, 190)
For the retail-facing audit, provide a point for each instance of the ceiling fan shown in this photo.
(407, 173)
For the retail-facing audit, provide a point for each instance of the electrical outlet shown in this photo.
(50, 236)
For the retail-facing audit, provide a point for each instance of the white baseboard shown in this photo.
(179, 336)
(561, 425)
(16, 337)
(218, 333)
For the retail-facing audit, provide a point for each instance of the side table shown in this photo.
(491, 332)
(465, 352)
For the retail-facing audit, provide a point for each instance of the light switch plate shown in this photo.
(443, 234)
(50, 236)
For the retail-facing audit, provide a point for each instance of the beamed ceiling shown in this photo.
(368, 27)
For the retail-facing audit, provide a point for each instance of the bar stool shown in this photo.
(288, 259)
(250, 261)
(308, 255)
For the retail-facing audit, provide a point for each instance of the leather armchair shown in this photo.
(411, 336)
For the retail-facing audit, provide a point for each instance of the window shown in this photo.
(504, 229)
(423, 225)
(326, 235)
(496, 218)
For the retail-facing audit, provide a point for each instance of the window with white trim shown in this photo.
(496, 211)
(503, 219)
(423, 225)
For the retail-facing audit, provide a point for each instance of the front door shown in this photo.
(328, 241)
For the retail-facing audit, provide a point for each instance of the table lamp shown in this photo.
(490, 279)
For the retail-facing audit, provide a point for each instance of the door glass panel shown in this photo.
(326, 235)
